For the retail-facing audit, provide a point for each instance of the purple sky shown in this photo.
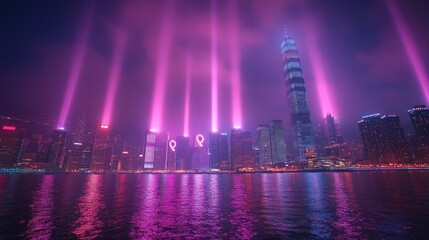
(360, 52)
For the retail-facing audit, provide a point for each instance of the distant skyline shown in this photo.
(354, 45)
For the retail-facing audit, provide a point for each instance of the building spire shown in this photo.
(284, 29)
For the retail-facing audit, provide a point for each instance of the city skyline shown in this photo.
(39, 87)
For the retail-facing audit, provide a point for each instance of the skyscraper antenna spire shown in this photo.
(284, 28)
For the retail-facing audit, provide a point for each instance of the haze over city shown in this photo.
(355, 60)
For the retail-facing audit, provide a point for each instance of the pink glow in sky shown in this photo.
(410, 47)
(77, 61)
(235, 65)
(114, 75)
(214, 68)
(187, 95)
(162, 68)
(319, 74)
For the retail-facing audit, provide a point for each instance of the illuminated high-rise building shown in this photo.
(183, 161)
(155, 152)
(263, 141)
(87, 146)
(383, 139)
(218, 151)
(55, 154)
(242, 153)
(420, 118)
(101, 151)
(10, 145)
(171, 155)
(200, 154)
(302, 129)
(328, 135)
(278, 143)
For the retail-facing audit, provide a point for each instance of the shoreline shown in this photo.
(43, 171)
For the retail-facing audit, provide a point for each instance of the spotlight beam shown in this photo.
(235, 65)
(162, 66)
(319, 74)
(115, 73)
(214, 68)
(77, 61)
(187, 95)
(410, 47)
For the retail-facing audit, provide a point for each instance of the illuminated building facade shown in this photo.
(242, 153)
(101, 151)
(10, 145)
(420, 119)
(218, 151)
(383, 139)
(302, 130)
(263, 141)
(278, 143)
(171, 155)
(56, 148)
(155, 152)
(183, 161)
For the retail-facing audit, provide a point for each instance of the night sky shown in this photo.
(366, 67)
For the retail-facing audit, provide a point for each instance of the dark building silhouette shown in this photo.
(55, 155)
(278, 143)
(101, 151)
(218, 151)
(183, 153)
(302, 129)
(242, 153)
(420, 119)
(383, 139)
(10, 145)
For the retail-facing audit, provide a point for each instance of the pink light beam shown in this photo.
(214, 68)
(410, 47)
(235, 65)
(162, 66)
(187, 95)
(115, 73)
(76, 64)
(319, 74)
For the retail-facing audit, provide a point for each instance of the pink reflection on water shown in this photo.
(145, 222)
(41, 223)
(240, 217)
(77, 61)
(114, 75)
(89, 224)
(187, 95)
(410, 47)
(214, 67)
(235, 64)
(346, 217)
(162, 65)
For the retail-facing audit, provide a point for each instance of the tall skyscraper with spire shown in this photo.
(302, 129)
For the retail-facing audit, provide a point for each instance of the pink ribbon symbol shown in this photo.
(172, 145)
(199, 139)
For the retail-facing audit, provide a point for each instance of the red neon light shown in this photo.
(9, 128)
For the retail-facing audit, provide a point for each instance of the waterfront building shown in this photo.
(302, 129)
(242, 153)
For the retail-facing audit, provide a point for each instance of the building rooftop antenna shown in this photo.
(284, 28)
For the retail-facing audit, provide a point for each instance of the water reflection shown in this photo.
(347, 224)
(240, 217)
(144, 222)
(90, 207)
(40, 225)
(318, 212)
